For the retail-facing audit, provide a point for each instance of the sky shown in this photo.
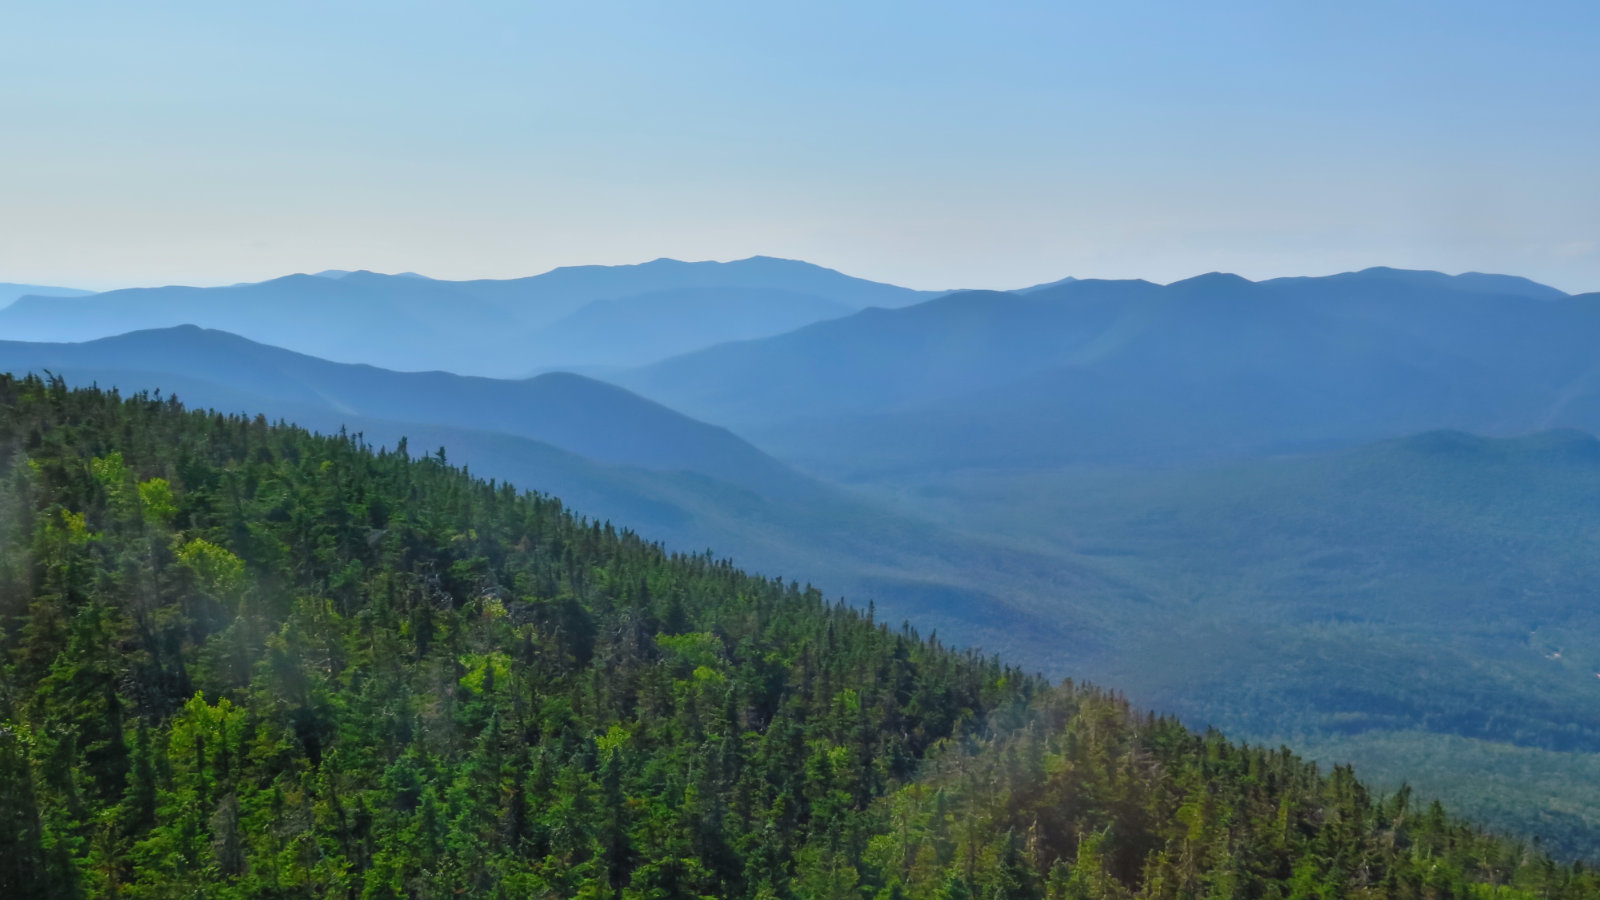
(932, 144)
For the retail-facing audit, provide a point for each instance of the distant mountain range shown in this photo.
(1120, 371)
(603, 450)
(591, 418)
(10, 292)
(1352, 513)
(503, 328)
(661, 324)
(340, 273)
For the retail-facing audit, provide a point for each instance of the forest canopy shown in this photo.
(245, 660)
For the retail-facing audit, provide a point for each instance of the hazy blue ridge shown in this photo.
(1127, 370)
(10, 292)
(1354, 513)
(407, 322)
(609, 453)
(591, 418)
(659, 324)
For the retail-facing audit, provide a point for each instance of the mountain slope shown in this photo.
(613, 455)
(486, 327)
(371, 675)
(1424, 607)
(875, 360)
(399, 323)
(1473, 282)
(543, 299)
(651, 326)
(586, 417)
(1048, 284)
(10, 292)
(1108, 371)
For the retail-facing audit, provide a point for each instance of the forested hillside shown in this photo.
(1353, 513)
(591, 418)
(242, 660)
(1424, 608)
(609, 453)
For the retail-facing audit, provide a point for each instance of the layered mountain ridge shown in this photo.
(248, 661)
(1113, 371)
(1278, 506)
(483, 327)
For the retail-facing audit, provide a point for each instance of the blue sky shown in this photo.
(931, 144)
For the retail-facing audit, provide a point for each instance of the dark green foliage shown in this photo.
(246, 661)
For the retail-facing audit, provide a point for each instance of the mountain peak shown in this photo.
(337, 274)
(1214, 281)
(1475, 282)
(1046, 285)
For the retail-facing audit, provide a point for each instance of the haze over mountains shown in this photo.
(661, 324)
(1118, 371)
(1351, 512)
(353, 672)
(9, 292)
(505, 328)
(1423, 606)
(607, 452)
(589, 417)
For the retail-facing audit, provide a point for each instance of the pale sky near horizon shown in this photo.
(930, 144)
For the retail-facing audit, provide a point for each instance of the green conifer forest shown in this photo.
(244, 660)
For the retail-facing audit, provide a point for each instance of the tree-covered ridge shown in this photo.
(242, 660)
